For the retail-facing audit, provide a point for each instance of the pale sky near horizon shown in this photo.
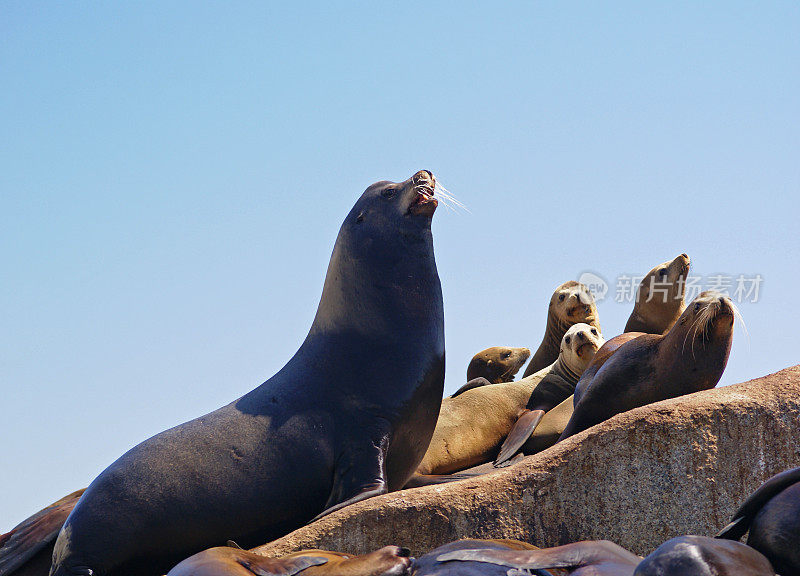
(173, 176)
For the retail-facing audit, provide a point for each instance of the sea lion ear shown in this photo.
(281, 566)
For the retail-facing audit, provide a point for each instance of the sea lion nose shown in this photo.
(721, 299)
(685, 255)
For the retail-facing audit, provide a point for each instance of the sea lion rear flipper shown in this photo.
(474, 383)
(418, 480)
(31, 535)
(522, 430)
(282, 566)
(359, 475)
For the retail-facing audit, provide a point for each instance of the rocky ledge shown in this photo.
(676, 467)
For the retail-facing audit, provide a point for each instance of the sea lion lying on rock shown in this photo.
(230, 561)
(472, 426)
(690, 357)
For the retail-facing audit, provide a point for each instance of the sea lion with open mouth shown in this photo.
(348, 417)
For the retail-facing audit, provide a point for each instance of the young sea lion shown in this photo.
(493, 366)
(571, 303)
(587, 558)
(701, 556)
(472, 426)
(772, 516)
(689, 358)
(228, 561)
(660, 297)
(348, 417)
(550, 392)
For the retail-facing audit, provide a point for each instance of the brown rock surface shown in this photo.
(676, 467)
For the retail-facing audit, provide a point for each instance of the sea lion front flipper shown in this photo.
(360, 474)
(747, 511)
(33, 534)
(568, 556)
(522, 430)
(281, 566)
(474, 383)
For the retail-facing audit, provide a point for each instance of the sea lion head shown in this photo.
(382, 270)
(702, 337)
(660, 297)
(572, 303)
(579, 345)
(497, 364)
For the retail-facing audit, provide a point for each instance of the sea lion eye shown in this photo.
(594, 331)
(360, 217)
(567, 339)
(697, 306)
(507, 355)
(561, 298)
(388, 193)
(663, 271)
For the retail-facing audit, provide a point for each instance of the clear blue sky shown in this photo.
(173, 176)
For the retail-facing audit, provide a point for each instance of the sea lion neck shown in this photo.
(562, 368)
(373, 285)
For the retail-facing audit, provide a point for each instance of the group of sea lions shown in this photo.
(355, 413)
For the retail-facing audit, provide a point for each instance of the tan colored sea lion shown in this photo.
(494, 365)
(660, 297)
(472, 426)
(229, 561)
(547, 395)
(689, 358)
(570, 304)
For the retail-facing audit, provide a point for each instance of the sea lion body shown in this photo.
(227, 561)
(348, 417)
(660, 297)
(690, 357)
(701, 556)
(473, 425)
(601, 357)
(570, 304)
(771, 515)
(580, 343)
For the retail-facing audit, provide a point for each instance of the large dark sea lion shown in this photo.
(772, 516)
(702, 556)
(660, 297)
(348, 417)
(570, 304)
(227, 561)
(690, 357)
